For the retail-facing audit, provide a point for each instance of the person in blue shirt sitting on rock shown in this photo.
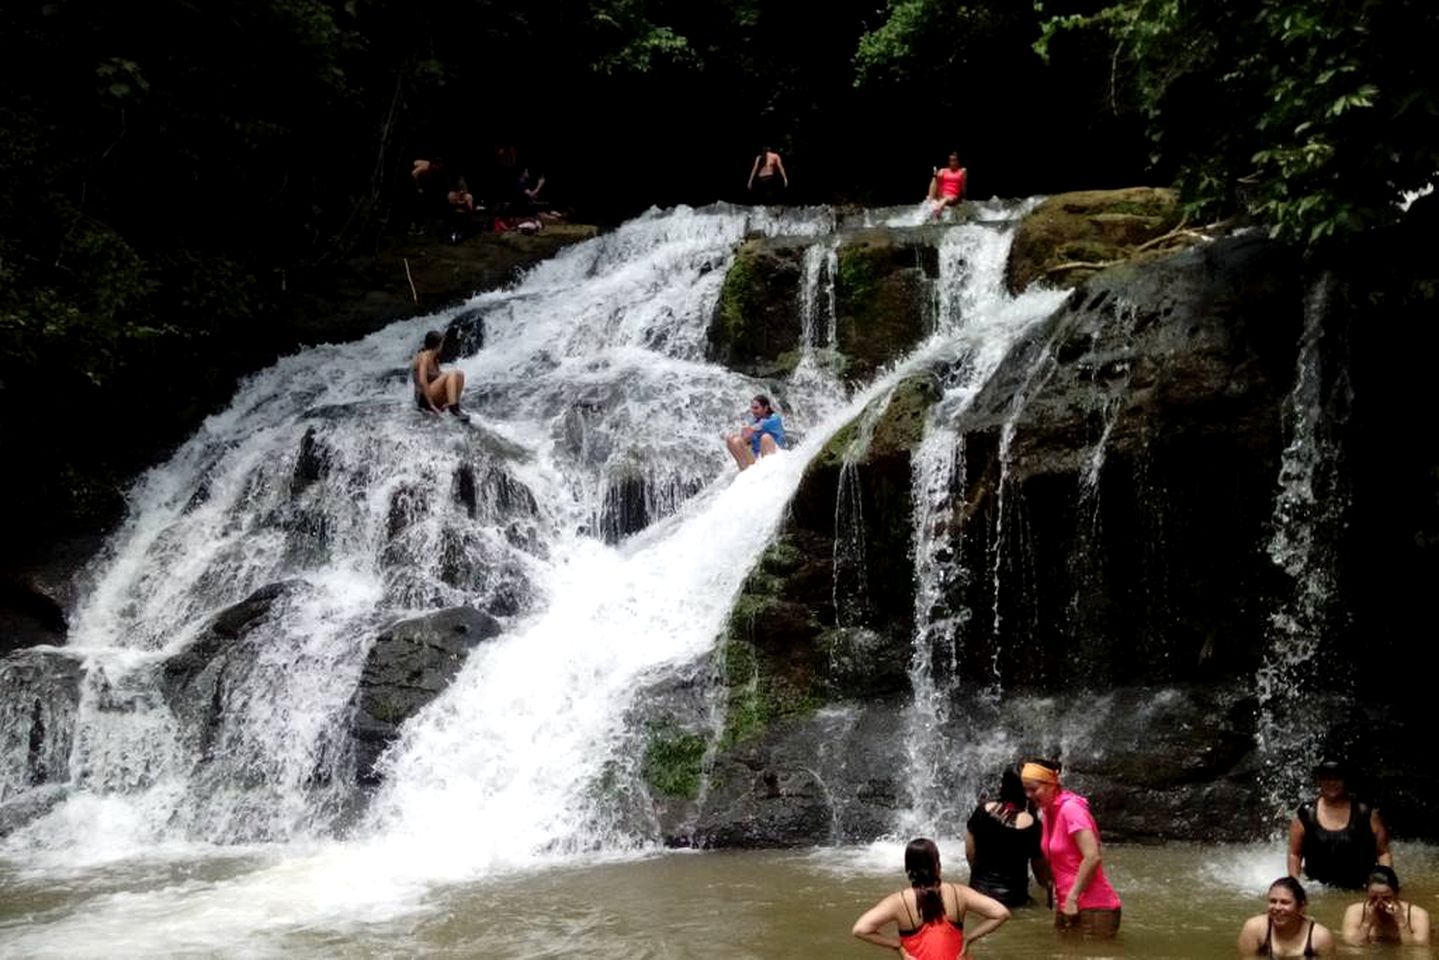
(760, 438)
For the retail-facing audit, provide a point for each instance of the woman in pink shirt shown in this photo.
(1084, 899)
(947, 186)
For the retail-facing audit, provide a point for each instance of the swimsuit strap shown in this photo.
(958, 920)
(1268, 945)
(1309, 941)
(909, 913)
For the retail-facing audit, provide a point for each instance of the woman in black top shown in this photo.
(1336, 838)
(1001, 842)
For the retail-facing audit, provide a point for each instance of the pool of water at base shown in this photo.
(1180, 901)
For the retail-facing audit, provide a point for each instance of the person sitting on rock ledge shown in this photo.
(436, 391)
(758, 439)
(947, 186)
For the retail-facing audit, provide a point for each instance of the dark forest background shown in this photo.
(173, 174)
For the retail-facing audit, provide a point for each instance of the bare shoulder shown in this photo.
(1252, 933)
(1323, 937)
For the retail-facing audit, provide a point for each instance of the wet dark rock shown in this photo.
(465, 336)
(883, 297)
(312, 464)
(1071, 236)
(407, 667)
(827, 777)
(38, 588)
(1138, 489)
(194, 680)
(756, 326)
(21, 810)
(41, 693)
(634, 498)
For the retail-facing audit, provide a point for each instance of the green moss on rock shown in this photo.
(756, 326)
(882, 298)
(1071, 230)
(673, 764)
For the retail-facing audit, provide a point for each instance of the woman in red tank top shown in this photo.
(947, 187)
(929, 916)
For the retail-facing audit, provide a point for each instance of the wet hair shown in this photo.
(1331, 770)
(1295, 888)
(1379, 873)
(763, 401)
(433, 339)
(1011, 795)
(921, 864)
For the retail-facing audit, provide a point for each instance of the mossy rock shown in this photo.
(673, 764)
(756, 326)
(898, 430)
(883, 298)
(1099, 227)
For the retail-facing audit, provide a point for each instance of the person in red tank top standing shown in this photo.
(946, 188)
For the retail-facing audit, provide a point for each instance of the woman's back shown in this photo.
(1006, 841)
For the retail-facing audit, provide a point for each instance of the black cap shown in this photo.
(1331, 770)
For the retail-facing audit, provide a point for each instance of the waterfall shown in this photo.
(321, 484)
(588, 505)
(981, 323)
(1310, 508)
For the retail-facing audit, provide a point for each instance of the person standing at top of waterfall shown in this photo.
(1283, 930)
(1336, 837)
(767, 179)
(929, 916)
(1084, 900)
(946, 188)
(436, 390)
(759, 438)
(1381, 917)
(1002, 843)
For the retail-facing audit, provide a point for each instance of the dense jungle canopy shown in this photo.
(173, 173)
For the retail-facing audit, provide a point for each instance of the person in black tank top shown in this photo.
(1283, 930)
(1336, 838)
(1002, 843)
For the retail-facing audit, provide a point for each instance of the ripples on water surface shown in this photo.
(1180, 901)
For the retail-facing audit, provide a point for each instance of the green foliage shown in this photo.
(1298, 112)
(673, 763)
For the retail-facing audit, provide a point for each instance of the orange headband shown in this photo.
(1033, 771)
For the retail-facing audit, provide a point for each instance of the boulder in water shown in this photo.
(39, 695)
(882, 297)
(408, 666)
(1072, 236)
(756, 326)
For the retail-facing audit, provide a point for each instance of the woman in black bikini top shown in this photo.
(1283, 930)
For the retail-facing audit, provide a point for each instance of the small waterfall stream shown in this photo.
(1309, 513)
(981, 322)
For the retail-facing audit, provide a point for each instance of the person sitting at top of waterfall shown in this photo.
(1283, 930)
(436, 391)
(1336, 838)
(1001, 843)
(1381, 917)
(767, 178)
(929, 916)
(946, 188)
(763, 436)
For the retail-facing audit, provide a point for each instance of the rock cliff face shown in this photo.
(1107, 536)
(882, 302)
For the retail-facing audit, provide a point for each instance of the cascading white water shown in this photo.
(323, 480)
(980, 322)
(1309, 511)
